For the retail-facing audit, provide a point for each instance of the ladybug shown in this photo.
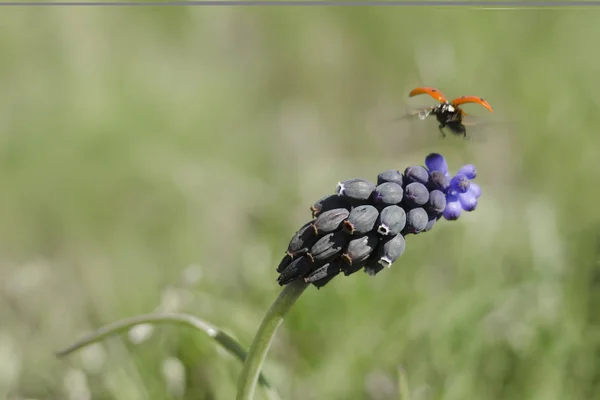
(448, 114)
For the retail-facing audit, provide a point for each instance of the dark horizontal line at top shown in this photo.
(288, 3)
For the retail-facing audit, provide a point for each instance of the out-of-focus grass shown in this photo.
(162, 158)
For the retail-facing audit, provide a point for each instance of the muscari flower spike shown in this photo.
(363, 225)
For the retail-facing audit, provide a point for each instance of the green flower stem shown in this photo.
(212, 331)
(263, 338)
(403, 387)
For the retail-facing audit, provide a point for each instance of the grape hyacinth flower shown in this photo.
(364, 224)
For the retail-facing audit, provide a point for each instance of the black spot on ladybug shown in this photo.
(481, 98)
(434, 90)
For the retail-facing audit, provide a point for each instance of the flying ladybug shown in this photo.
(448, 113)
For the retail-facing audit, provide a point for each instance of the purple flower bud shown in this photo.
(388, 193)
(439, 181)
(328, 247)
(390, 250)
(436, 162)
(459, 184)
(437, 202)
(298, 268)
(330, 221)
(321, 276)
(328, 203)
(468, 170)
(356, 190)
(416, 220)
(360, 249)
(416, 173)
(475, 189)
(361, 220)
(392, 220)
(453, 208)
(391, 175)
(416, 194)
(468, 201)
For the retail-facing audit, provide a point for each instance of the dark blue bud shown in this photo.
(360, 249)
(388, 193)
(416, 173)
(391, 175)
(438, 181)
(298, 268)
(327, 203)
(416, 194)
(392, 220)
(356, 190)
(328, 247)
(330, 221)
(437, 202)
(389, 250)
(361, 220)
(302, 240)
(416, 220)
(322, 275)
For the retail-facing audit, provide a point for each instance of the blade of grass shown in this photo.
(228, 342)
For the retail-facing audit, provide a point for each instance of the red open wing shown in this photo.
(471, 99)
(436, 94)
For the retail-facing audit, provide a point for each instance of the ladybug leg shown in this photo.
(441, 128)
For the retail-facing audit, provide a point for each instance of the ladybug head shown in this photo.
(446, 108)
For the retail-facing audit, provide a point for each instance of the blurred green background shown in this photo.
(162, 158)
